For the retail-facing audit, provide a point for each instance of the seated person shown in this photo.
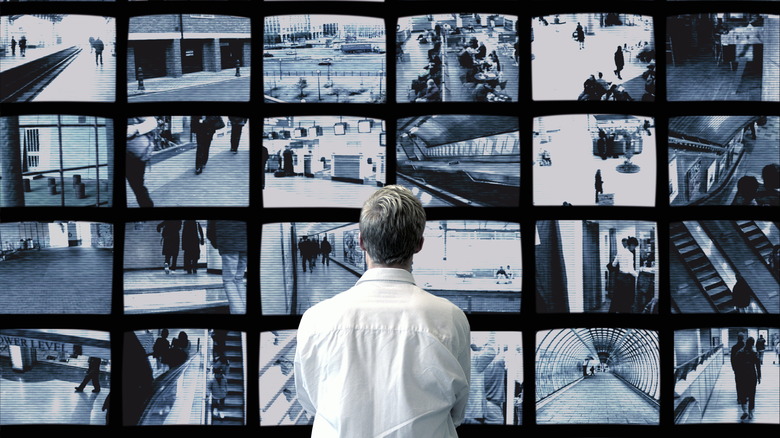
(419, 84)
(435, 51)
(481, 51)
(493, 62)
(619, 93)
(590, 89)
(603, 82)
(431, 93)
(482, 90)
(501, 273)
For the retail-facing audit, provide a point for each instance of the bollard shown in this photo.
(53, 189)
(140, 76)
(76, 180)
(52, 181)
(81, 190)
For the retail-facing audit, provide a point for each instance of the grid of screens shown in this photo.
(234, 222)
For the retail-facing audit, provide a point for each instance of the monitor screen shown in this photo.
(295, 272)
(44, 367)
(496, 390)
(340, 166)
(56, 267)
(460, 160)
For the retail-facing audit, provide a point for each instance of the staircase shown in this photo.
(698, 264)
(234, 403)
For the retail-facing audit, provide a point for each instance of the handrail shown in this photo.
(41, 172)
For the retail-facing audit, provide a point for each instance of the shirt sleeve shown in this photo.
(458, 412)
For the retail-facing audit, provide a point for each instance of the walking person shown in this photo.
(160, 348)
(98, 46)
(229, 238)
(619, 62)
(760, 348)
(733, 358)
(13, 46)
(325, 249)
(191, 240)
(204, 128)
(93, 375)
(263, 168)
(236, 126)
(23, 45)
(747, 374)
(170, 243)
(218, 390)
(139, 148)
(579, 35)
(625, 283)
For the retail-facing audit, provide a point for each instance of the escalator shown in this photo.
(757, 240)
(234, 402)
(698, 264)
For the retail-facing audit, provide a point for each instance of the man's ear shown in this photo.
(360, 242)
(419, 245)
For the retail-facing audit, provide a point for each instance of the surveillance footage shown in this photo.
(58, 267)
(593, 56)
(167, 157)
(577, 365)
(57, 58)
(594, 160)
(460, 160)
(188, 57)
(712, 364)
(719, 266)
(342, 55)
(57, 160)
(723, 56)
(457, 57)
(596, 266)
(55, 376)
(322, 161)
(184, 376)
(302, 264)
(496, 390)
(724, 160)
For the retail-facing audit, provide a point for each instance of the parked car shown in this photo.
(326, 61)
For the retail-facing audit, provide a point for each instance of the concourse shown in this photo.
(597, 376)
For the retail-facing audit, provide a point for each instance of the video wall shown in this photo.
(228, 146)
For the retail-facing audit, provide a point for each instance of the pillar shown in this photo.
(11, 185)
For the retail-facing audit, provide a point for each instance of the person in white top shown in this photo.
(626, 275)
(385, 358)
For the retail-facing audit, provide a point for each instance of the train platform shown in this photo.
(301, 191)
(83, 80)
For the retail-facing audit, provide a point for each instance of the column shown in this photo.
(11, 184)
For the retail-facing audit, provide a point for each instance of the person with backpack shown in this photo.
(139, 148)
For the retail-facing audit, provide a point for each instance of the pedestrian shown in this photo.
(229, 238)
(760, 347)
(747, 374)
(592, 370)
(160, 348)
(768, 193)
(139, 148)
(13, 46)
(170, 243)
(93, 374)
(325, 249)
(601, 144)
(741, 295)
(346, 343)
(733, 358)
(314, 253)
(236, 126)
(98, 46)
(287, 158)
(218, 390)
(599, 185)
(579, 35)
(23, 45)
(191, 241)
(619, 62)
(624, 266)
(263, 168)
(204, 128)
(747, 187)
(303, 250)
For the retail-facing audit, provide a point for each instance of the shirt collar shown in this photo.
(387, 274)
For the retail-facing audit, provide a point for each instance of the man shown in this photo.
(385, 358)
(431, 93)
(98, 46)
(625, 265)
(760, 347)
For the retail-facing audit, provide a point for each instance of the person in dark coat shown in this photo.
(93, 374)
(160, 348)
(733, 358)
(98, 46)
(741, 294)
(204, 128)
(265, 160)
(580, 35)
(191, 240)
(601, 144)
(325, 249)
(236, 126)
(619, 61)
(287, 159)
(13, 46)
(747, 373)
(23, 45)
(599, 185)
(229, 238)
(170, 243)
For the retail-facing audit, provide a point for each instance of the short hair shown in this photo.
(747, 185)
(632, 241)
(771, 176)
(392, 222)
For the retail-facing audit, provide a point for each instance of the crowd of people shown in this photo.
(311, 249)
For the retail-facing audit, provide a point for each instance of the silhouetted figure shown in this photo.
(93, 375)
(619, 61)
(170, 243)
(191, 240)
(747, 187)
(747, 372)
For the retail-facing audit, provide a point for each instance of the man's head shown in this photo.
(392, 222)
(632, 243)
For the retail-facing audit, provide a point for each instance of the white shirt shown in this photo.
(625, 261)
(384, 359)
